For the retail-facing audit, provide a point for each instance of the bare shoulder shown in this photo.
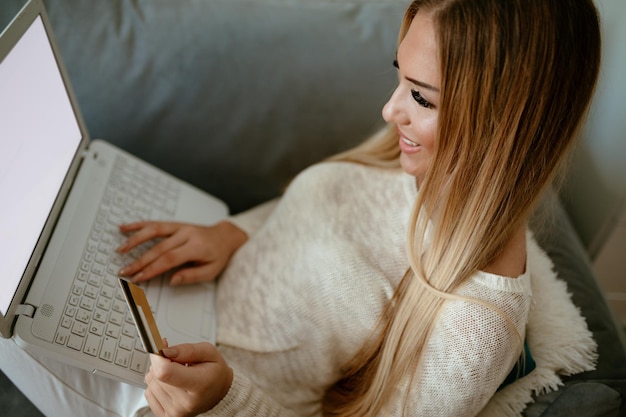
(512, 260)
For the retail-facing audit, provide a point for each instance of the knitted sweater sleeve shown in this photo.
(244, 399)
(471, 349)
(446, 382)
(467, 349)
(251, 220)
(286, 347)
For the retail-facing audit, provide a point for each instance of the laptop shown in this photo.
(63, 197)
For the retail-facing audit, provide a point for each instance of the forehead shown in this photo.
(417, 53)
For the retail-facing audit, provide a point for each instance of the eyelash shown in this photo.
(421, 100)
(416, 94)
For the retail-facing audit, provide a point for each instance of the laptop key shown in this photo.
(122, 358)
(75, 342)
(108, 349)
(96, 319)
(139, 362)
(92, 344)
(96, 328)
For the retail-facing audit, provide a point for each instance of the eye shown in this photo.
(421, 100)
(395, 64)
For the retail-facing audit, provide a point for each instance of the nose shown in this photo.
(393, 110)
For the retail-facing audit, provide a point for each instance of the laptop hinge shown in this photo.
(25, 310)
(87, 153)
(90, 152)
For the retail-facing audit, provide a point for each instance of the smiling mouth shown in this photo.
(409, 142)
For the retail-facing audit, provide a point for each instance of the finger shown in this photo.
(144, 232)
(192, 353)
(133, 227)
(174, 401)
(152, 262)
(163, 263)
(160, 369)
(154, 400)
(199, 386)
(193, 275)
(154, 404)
(184, 365)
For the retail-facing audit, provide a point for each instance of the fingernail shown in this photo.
(170, 352)
(121, 248)
(123, 271)
(137, 277)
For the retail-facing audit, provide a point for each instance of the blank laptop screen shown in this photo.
(39, 136)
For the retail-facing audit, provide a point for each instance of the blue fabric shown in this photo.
(525, 365)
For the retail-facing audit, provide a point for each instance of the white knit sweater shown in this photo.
(300, 297)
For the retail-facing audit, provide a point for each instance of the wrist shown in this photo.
(231, 235)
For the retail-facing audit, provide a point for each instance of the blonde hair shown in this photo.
(517, 77)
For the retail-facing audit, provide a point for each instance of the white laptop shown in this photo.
(63, 197)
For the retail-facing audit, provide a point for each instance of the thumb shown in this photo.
(203, 273)
(191, 353)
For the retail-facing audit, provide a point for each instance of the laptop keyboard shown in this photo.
(96, 318)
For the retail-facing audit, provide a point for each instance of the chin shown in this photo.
(411, 167)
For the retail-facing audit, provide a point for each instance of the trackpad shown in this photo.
(191, 312)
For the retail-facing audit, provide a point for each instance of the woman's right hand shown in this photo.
(201, 252)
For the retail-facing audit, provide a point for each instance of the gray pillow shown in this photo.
(235, 96)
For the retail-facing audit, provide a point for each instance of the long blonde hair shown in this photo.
(517, 77)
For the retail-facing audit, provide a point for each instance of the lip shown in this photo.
(405, 147)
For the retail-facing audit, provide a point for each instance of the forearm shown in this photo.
(232, 236)
(246, 400)
(251, 220)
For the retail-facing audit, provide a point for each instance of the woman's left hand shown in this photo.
(190, 380)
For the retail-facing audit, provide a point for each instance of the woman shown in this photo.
(355, 294)
(490, 97)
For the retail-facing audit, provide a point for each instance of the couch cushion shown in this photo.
(235, 96)
(604, 388)
(557, 237)
(594, 398)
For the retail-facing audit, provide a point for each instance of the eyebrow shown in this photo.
(422, 84)
(417, 83)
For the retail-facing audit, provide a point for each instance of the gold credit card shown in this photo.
(144, 320)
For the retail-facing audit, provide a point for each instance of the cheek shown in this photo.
(426, 130)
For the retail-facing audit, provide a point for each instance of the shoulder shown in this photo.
(335, 168)
(511, 262)
(343, 178)
(473, 345)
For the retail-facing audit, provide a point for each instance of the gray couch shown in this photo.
(237, 96)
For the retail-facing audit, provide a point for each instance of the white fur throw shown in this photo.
(558, 338)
